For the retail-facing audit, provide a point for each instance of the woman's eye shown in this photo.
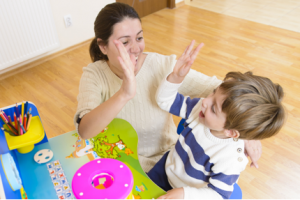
(124, 43)
(140, 38)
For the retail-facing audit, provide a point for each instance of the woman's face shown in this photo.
(130, 33)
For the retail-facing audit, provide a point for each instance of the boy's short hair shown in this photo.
(253, 105)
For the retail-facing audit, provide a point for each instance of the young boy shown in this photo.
(209, 154)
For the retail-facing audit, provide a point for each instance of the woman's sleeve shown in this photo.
(196, 84)
(90, 94)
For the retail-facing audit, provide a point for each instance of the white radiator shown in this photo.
(27, 30)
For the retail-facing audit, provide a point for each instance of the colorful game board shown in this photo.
(118, 141)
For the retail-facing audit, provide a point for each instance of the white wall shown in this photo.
(83, 13)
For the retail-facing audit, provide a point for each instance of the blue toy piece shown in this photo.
(9, 192)
(237, 192)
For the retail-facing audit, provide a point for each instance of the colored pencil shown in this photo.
(23, 129)
(3, 118)
(20, 120)
(25, 121)
(17, 110)
(22, 110)
(8, 131)
(29, 120)
(25, 107)
(16, 122)
(12, 127)
(9, 119)
(8, 125)
(3, 113)
(29, 110)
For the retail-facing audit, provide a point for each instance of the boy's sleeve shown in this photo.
(168, 99)
(196, 84)
(220, 187)
(221, 181)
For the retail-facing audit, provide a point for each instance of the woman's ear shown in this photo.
(102, 47)
(232, 133)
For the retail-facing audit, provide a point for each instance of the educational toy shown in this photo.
(111, 179)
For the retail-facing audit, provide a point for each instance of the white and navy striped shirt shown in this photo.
(204, 165)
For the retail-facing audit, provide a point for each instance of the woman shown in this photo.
(109, 90)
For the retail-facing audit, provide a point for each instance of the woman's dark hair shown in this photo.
(104, 23)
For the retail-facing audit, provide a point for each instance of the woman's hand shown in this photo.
(253, 149)
(184, 63)
(177, 193)
(128, 87)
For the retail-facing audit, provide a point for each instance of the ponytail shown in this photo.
(95, 52)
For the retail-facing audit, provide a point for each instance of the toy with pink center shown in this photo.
(103, 178)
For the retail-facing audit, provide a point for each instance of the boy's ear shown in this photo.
(103, 48)
(232, 133)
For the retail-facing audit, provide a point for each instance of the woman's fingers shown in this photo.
(122, 50)
(133, 60)
(125, 60)
(123, 65)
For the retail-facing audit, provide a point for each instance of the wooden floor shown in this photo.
(231, 44)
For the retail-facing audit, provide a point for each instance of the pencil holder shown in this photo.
(25, 143)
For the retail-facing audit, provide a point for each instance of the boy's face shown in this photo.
(211, 114)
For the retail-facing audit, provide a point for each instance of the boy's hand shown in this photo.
(177, 193)
(184, 63)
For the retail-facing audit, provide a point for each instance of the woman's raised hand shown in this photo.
(128, 64)
(184, 63)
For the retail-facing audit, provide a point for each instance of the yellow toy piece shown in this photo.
(25, 143)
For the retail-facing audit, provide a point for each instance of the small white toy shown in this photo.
(43, 156)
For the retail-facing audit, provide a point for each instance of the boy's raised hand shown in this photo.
(128, 64)
(184, 63)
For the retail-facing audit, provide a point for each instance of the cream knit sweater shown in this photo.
(154, 126)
